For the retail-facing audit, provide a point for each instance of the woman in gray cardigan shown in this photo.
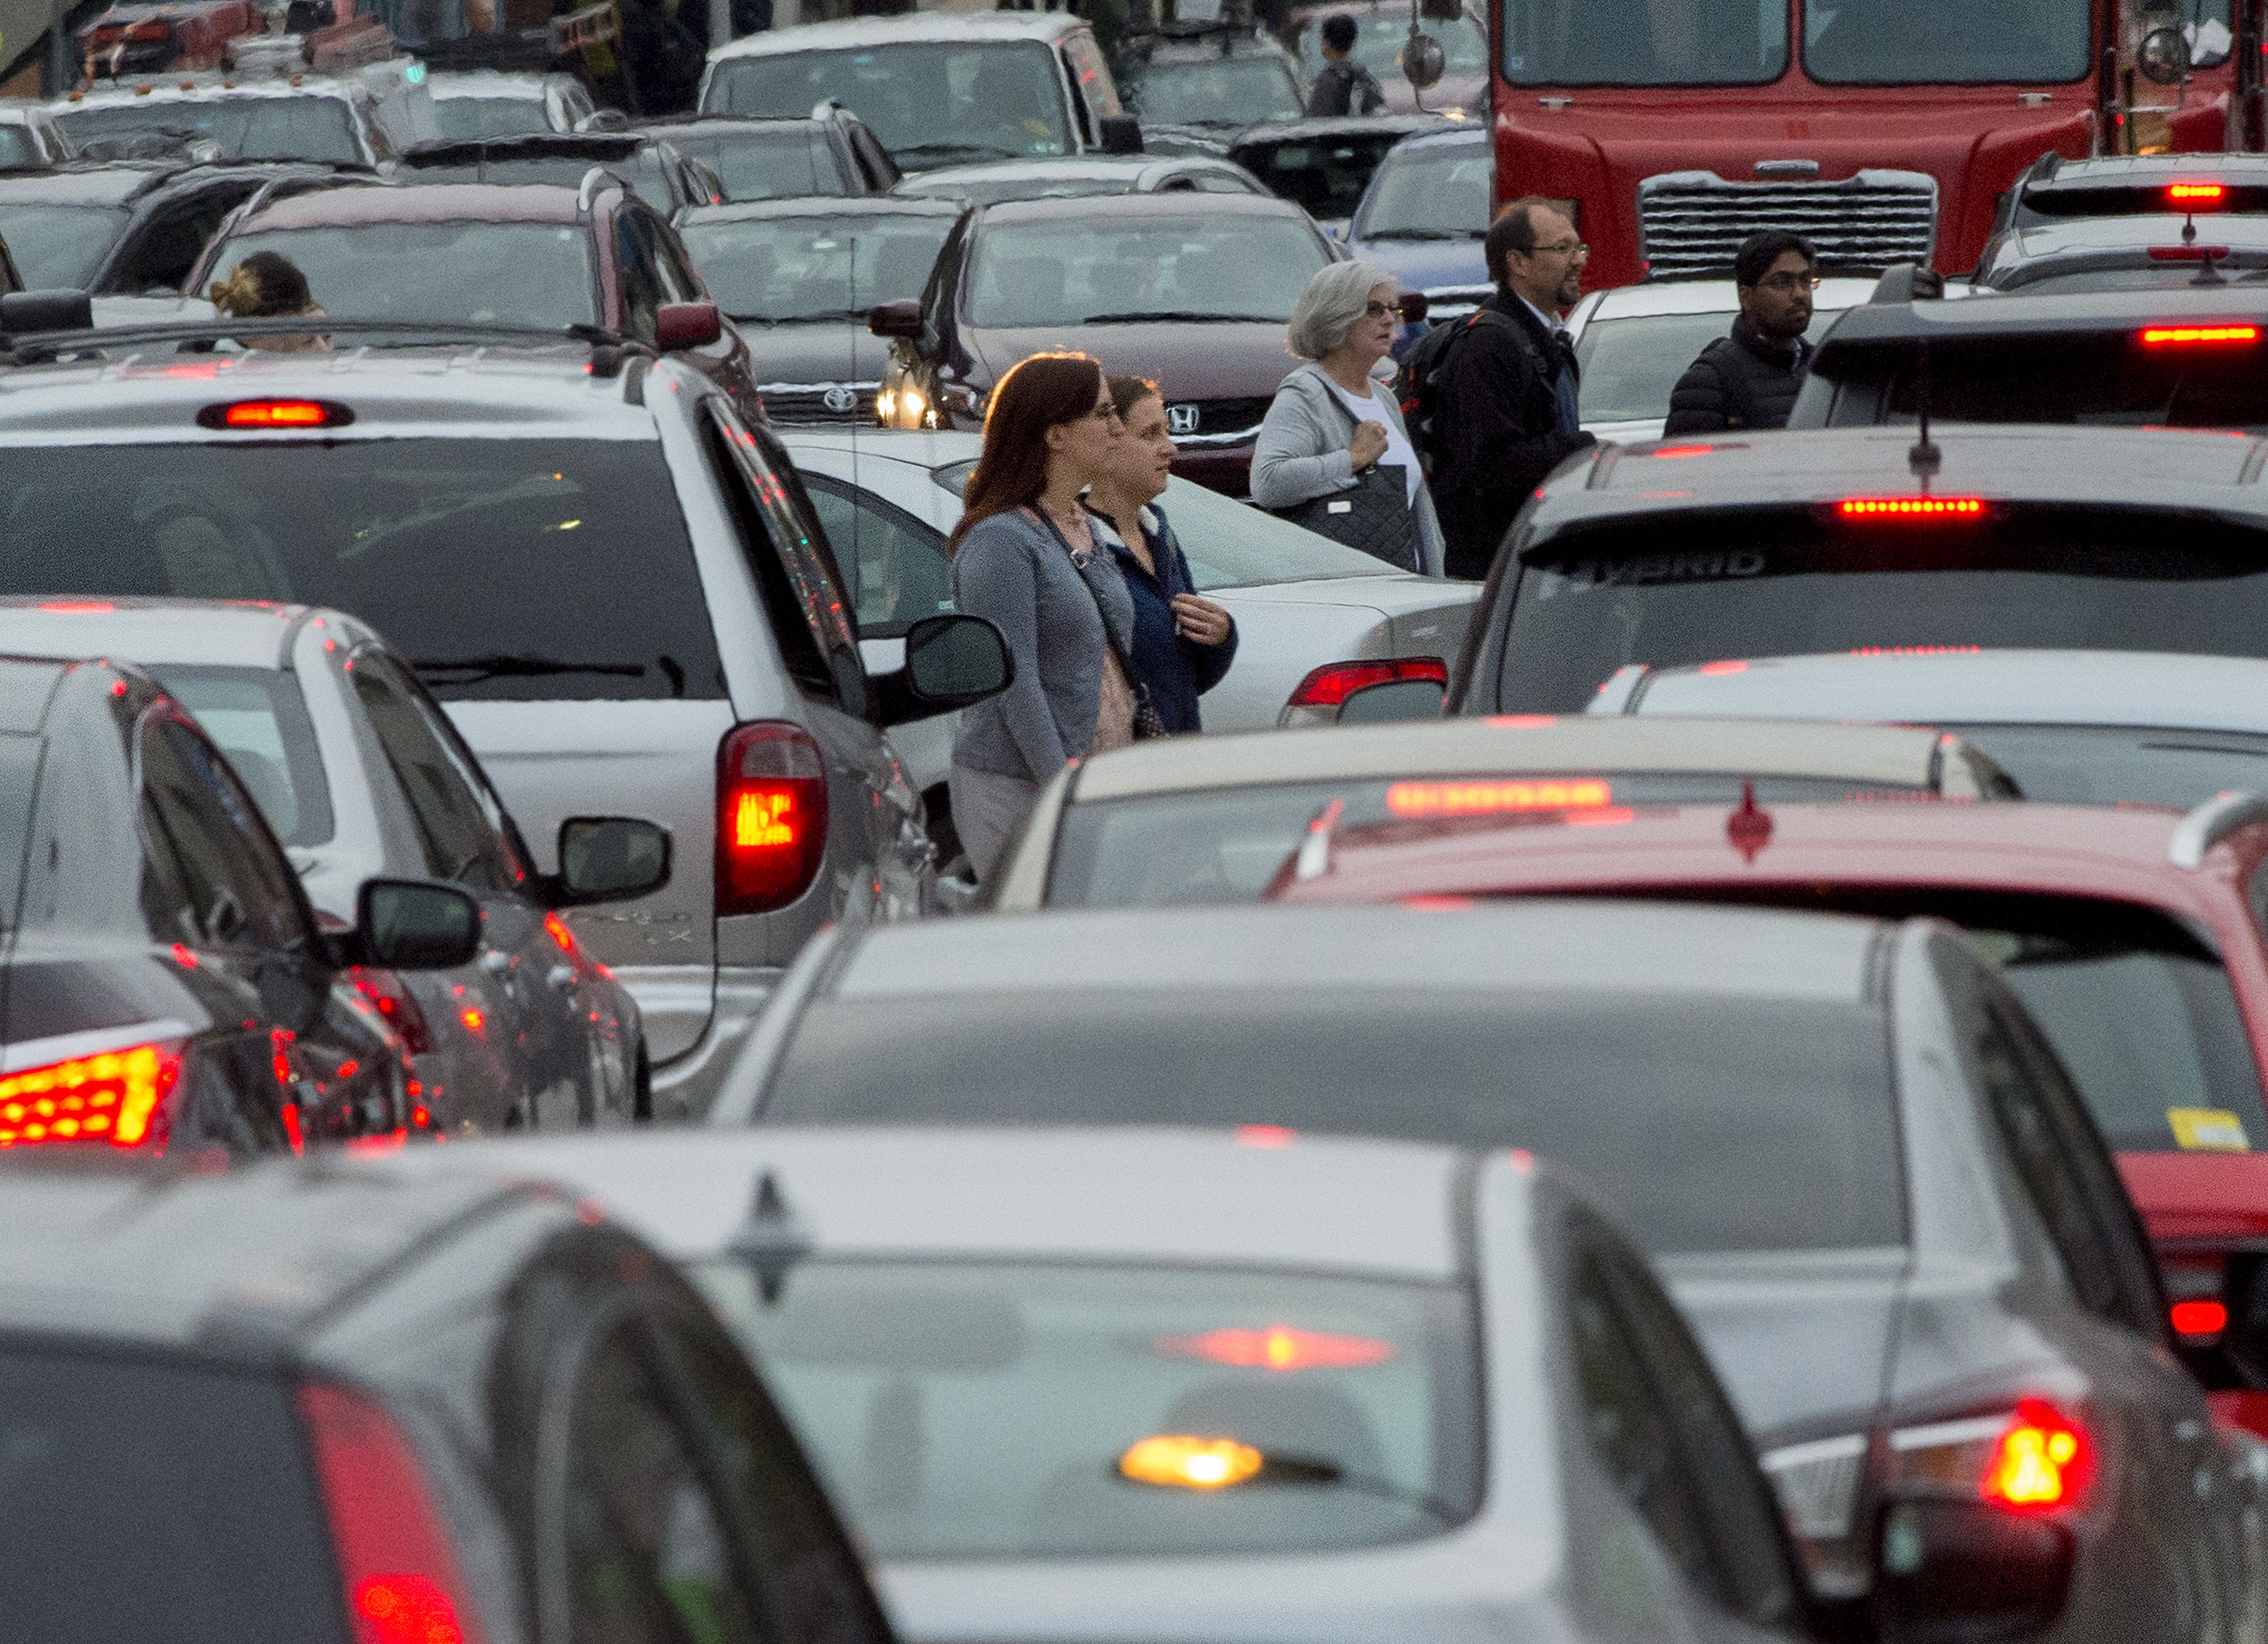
(1332, 418)
(1024, 559)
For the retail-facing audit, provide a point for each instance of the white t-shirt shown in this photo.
(1397, 445)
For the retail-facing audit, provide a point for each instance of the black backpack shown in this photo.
(1417, 383)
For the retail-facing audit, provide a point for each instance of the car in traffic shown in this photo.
(2082, 727)
(1323, 165)
(1335, 1389)
(1423, 214)
(612, 582)
(29, 137)
(1632, 342)
(1216, 76)
(994, 181)
(353, 119)
(1843, 1143)
(938, 88)
(798, 278)
(361, 775)
(1186, 820)
(1190, 289)
(1382, 31)
(328, 1404)
(652, 167)
(2126, 223)
(829, 151)
(1724, 548)
(492, 103)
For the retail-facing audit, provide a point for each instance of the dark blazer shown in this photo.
(1743, 381)
(1176, 671)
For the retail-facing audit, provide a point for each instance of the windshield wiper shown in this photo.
(859, 314)
(939, 149)
(1424, 233)
(503, 665)
(1135, 317)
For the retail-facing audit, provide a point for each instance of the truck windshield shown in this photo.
(1917, 42)
(1647, 42)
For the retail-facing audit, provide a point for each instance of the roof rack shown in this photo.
(2212, 822)
(609, 349)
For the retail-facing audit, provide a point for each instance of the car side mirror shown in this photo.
(21, 311)
(608, 859)
(951, 662)
(1414, 306)
(411, 925)
(1393, 699)
(1122, 134)
(687, 325)
(1955, 1572)
(901, 318)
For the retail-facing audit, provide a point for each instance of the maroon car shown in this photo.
(1190, 290)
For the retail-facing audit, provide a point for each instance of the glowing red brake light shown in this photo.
(1278, 1347)
(771, 817)
(112, 1097)
(278, 414)
(1473, 798)
(393, 1001)
(1333, 683)
(402, 1583)
(2042, 1459)
(2190, 196)
(1674, 451)
(2193, 337)
(1911, 507)
(2205, 1317)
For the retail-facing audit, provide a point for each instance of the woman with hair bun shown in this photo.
(266, 286)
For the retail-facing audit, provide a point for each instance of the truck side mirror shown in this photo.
(1957, 1572)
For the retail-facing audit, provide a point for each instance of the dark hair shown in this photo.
(1761, 250)
(1043, 391)
(1339, 32)
(1126, 393)
(262, 286)
(1513, 230)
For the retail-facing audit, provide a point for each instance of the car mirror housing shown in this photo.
(1948, 1571)
(1122, 134)
(23, 311)
(1393, 699)
(951, 662)
(687, 325)
(901, 318)
(411, 925)
(608, 859)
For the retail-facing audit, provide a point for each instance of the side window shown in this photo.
(641, 279)
(895, 564)
(229, 885)
(677, 271)
(170, 242)
(461, 825)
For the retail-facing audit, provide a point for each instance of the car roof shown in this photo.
(1714, 297)
(1090, 1193)
(1242, 951)
(1339, 125)
(494, 83)
(830, 206)
(1462, 747)
(1969, 685)
(208, 88)
(1063, 165)
(2114, 170)
(159, 633)
(1118, 207)
(944, 27)
(82, 182)
(421, 202)
(26, 685)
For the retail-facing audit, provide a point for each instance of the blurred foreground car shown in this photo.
(1844, 1142)
(2127, 222)
(360, 773)
(1324, 1392)
(2130, 936)
(1190, 819)
(325, 1406)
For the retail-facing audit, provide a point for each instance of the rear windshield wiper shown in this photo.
(1141, 316)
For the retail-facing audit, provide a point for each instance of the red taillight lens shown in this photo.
(1278, 1347)
(1911, 507)
(392, 1000)
(1473, 798)
(2194, 196)
(2197, 336)
(403, 1584)
(771, 817)
(110, 1097)
(2206, 1317)
(1333, 683)
(2187, 253)
(2042, 1459)
(276, 414)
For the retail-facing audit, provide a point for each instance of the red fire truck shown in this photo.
(1885, 130)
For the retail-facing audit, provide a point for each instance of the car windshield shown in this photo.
(1068, 271)
(464, 117)
(159, 1500)
(515, 568)
(1790, 1099)
(931, 104)
(260, 722)
(964, 1410)
(240, 128)
(1648, 42)
(1228, 844)
(1770, 584)
(1440, 191)
(1324, 175)
(814, 268)
(758, 164)
(528, 273)
(1381, 36)
(1217, 91)
(58, 248)
(1629, 365)
(1917, 42)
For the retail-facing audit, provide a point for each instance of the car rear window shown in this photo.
(1218, 92)
(1768, 584)
(2102, 380)
(59, 247)
(514, 274)
(518, 569)
(1324, 175)
(241, 127)
(968, 1409)
(260, 722)
(147, 1501)
(1066, 271)
(1775, 1130)
(2106, 765)
(815, 268)
(761, 165)
(467, 117)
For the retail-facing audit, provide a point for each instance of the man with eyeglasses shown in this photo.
(1748, 379)
(1497, 394)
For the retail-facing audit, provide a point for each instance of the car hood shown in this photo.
(1427, 265)
(814, 353)
(1226, 361)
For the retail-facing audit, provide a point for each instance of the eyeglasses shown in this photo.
(1565, 248)
(1381, 311)
(1789, 282)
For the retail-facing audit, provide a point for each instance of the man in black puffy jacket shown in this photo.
(1749, 378)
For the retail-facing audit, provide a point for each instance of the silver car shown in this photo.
(1193, 1388)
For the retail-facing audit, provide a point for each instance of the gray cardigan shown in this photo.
(1302, 454)
(1010, 569)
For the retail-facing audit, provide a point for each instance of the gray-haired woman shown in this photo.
(1332, 420)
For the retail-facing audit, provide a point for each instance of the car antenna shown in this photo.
(1925, 460)
(771, 1240)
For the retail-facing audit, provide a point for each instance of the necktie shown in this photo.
(1567, 417)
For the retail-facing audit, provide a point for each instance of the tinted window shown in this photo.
(1910, 42)
(242, 127)
(1077, 270)
(2094, 380)
(1325, 175)
(1223, 91)
(1788, 1100)
(640, 274)
(59, 246)
(929, 103)
(1631, 42)
(976, 1411)
(520, 274)
(167, 246)
(1439, 192)
(803, 267)
(760, 165)
(144, 1501)
(895, 565)
(207, 831)
(260, 722)
(460, 117)
(1770, 585)
(460, 822)
(811, 618)
(505, 569)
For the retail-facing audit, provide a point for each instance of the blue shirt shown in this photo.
(1174, 671)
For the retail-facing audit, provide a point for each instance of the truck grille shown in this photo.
(1691, 223)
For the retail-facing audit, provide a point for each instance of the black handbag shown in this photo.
(1374, 517)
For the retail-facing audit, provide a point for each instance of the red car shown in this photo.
(2132, 935)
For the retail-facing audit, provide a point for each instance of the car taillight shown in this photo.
(2033, 1458)
(1317, 698)
(2198, 337)
(112, 1097)
(1277, 1347)
(276, 414)
(2196, 196)
(393, 1000)
(402, 1583)
(771, 817)
(1911, 508)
